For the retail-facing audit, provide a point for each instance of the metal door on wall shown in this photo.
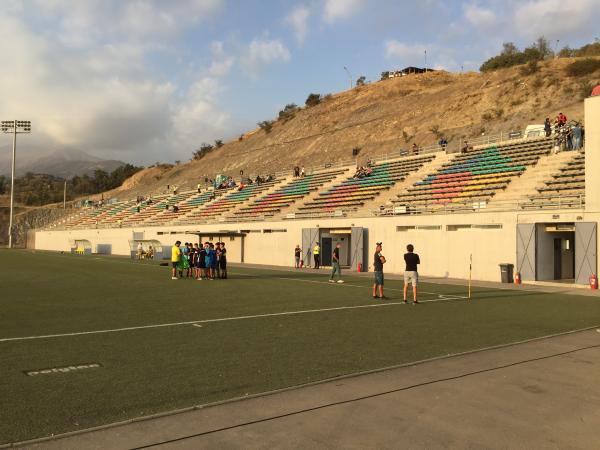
(586, 262)
(357, 248)
(309, 237)
(326, 250)
(526, 251)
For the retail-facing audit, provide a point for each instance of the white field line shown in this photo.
(441, 296)
(222, 319)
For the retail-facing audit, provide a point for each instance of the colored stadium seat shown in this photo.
(354, 192)
(475, 175)
(283, 197)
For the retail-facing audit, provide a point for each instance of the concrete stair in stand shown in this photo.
(435, 164)
(525, 186)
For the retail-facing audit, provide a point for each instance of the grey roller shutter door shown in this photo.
(585, 251)
(526, 237)
(357, 250)
(309, 237)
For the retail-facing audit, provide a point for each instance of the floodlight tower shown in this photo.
(14, 127)
(349, 76)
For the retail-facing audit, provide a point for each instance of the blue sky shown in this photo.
(149, 80)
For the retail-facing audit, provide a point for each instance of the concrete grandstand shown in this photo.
(515, 201)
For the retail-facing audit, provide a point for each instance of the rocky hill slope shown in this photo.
(387, 116)
(64, 163)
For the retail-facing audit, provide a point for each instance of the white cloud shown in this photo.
(478, 16)
(556, 18)
(262, 52)
(439, 58)
(341, 9)
(95, 91)
(84, 22)
(408, 53)
(197, 117)
(298, 19)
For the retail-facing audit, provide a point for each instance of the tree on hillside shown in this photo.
(120, 174)
(543, 47)
(313, 100)
(102, 180)
(218, 143)
(509, 48)
(566, 52)
(512, 56)
(385, 75)
(202, 151)
(361, 80)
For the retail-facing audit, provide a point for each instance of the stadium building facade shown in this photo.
(545, 239)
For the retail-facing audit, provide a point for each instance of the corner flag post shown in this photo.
(470, 268)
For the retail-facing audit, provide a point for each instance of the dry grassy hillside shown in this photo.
(387, 116)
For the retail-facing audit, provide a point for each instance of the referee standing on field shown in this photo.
(317, 255)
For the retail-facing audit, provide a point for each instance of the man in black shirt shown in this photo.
(335, 265)
(411, 274)
(378, 262)
(223, 261)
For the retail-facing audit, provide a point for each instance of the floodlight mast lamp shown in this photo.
(14, 127)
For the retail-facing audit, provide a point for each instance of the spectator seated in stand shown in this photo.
(360, 172)
(466, 147)
(443, 143)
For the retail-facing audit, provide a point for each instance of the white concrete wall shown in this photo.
(592, 154)
(444, 253)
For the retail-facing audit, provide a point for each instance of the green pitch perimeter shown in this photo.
(240, 343)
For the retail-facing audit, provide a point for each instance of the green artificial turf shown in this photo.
(151, 370)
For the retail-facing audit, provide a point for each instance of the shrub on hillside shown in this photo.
(218, 143)
(589, 49)
(435, 130)
(583, 67)
(585, 89)
(530, 68)
(407, 137)
(288, 112)
(266, 125)
(537, 83)
(592, 49)
(313, 100)
(486, 117)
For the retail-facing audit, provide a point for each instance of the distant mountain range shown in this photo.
(64, 163)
